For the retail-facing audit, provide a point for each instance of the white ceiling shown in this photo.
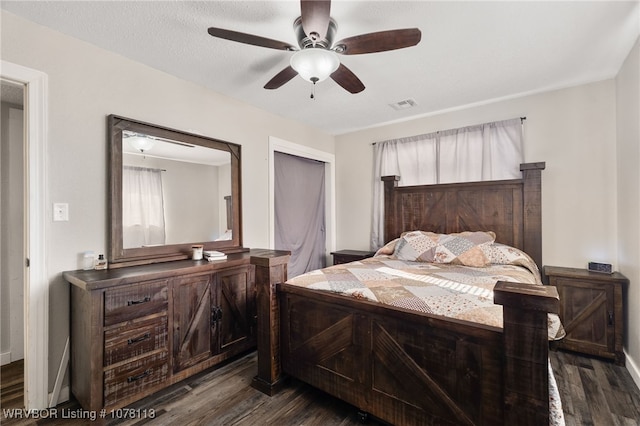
(471, 52)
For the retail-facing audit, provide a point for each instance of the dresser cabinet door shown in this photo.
(237, 304)
(192, 320)
(587, 315)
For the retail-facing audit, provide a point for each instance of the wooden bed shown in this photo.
(411, 368)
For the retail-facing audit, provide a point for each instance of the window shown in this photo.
(490, 151)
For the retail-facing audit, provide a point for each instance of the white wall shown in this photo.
(187, 204)
(11, 228)
(628, 137)
(86, 84)
(572, 130)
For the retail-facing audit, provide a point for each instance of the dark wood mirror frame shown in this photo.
(120, 256)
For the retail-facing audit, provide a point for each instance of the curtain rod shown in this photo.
(146, 168)
(438, 131)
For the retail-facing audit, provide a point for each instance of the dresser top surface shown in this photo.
(578, 273)
(101, 279)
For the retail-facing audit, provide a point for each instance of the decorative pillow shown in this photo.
(388, 249)
(416, 246)
(464, 248)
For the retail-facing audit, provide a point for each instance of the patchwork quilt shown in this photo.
(447, 289)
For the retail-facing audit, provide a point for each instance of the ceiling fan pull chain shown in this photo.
(314, 80)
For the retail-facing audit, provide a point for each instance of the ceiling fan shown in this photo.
(315, 58)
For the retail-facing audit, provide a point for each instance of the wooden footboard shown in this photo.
(408, 368)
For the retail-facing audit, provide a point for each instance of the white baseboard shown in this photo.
(633, 369)
(5, 358)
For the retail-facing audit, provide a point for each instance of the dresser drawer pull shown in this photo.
(145, 336)
(139, 376)
(137, 302)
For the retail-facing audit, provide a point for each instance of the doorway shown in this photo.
(328, 161)
(35, 280)
(300, 212)
(12, 226)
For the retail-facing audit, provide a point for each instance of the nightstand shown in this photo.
(591, 310)
(346, 256)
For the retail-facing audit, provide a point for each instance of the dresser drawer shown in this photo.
(135, 301)
(129, 379)
(134, 338)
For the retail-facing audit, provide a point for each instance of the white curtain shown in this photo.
(490, 151)
(142, 207)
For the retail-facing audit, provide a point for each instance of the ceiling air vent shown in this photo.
(406, 104)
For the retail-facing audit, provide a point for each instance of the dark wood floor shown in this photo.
(593, 392)
(12, 385)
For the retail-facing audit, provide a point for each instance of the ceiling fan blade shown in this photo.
(378, 42)
(250, 39)
(347, 79)
(281, 78)
(315, 18)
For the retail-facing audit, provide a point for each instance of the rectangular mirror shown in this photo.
(168, 191)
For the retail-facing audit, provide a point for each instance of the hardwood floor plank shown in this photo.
(580, 405)
(598, 406)
(562, 379)
(593, 392)
(625, 421)
(12, 384)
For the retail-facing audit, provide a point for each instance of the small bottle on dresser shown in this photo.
(101, 262)
(88, 260)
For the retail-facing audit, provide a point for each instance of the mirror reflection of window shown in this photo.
(229, 216)
(143, 221)
(194, 179)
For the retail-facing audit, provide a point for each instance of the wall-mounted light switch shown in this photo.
(60, 212)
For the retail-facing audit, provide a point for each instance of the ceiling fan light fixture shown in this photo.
(315, 64)
(141, 143)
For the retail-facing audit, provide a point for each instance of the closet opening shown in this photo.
(302, 204)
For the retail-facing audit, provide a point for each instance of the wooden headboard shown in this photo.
(510, 208)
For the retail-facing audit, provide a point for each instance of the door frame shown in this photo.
(36, 290)
(280, 145)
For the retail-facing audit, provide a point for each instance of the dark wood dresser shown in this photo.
(591, 310)
(138, 329)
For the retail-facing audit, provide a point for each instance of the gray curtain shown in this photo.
(299, 211)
